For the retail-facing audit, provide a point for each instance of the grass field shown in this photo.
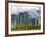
(25, 27)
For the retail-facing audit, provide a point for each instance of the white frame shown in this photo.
(28, 31)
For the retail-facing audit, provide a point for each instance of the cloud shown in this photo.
(33, 13)
(17, 9)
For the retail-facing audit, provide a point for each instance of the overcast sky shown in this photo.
(17, 9)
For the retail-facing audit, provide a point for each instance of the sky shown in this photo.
(31, 10)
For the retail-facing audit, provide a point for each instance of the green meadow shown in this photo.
(23, 27)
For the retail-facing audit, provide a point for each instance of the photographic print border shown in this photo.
(6, 18)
